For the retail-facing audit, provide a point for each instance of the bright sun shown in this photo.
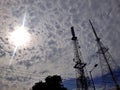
(20, 36)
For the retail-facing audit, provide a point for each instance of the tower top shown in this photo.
(97, 38)
(73, 34)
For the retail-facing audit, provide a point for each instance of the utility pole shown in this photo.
(81, 79)
(107, 63)
(91, 75)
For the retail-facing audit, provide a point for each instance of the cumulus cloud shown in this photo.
(50, 50)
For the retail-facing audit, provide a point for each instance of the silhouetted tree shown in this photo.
(51, 83)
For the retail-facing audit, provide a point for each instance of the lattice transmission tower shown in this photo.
(110, 69)
(81, 78)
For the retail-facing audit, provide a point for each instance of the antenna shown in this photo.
(107, 63)
(81, 80)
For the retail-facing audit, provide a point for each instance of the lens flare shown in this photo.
(20, 37)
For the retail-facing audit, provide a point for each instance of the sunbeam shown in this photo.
(19, 37)
(14, 52)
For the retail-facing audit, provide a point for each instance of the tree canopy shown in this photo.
(51, 83)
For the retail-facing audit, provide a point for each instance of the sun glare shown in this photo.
(20, 36)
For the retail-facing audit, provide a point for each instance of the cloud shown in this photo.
(50, 50)
(70, 84)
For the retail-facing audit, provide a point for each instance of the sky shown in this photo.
(50, 49)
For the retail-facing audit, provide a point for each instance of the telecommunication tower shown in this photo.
(81, 80)
(110, 69)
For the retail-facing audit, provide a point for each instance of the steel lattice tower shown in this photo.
(110, 69)
(81, 79)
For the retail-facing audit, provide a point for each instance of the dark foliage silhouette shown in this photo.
(51, 83)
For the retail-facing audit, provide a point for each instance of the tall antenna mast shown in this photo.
(107, 63)
(81, 80)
